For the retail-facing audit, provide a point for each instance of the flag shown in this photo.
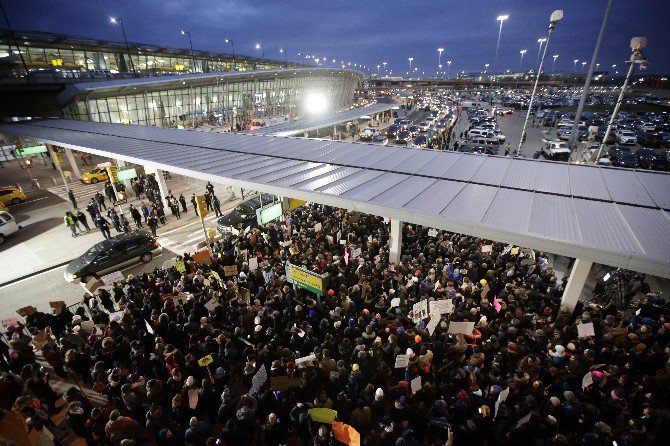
(496, 304)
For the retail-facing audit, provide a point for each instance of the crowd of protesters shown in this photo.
(522, 376)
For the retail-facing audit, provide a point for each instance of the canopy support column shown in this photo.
(395, 241)
(162, 187)
(73, 163)
(573, 290)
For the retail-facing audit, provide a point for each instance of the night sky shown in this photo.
(369, 32)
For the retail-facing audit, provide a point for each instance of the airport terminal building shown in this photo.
(226, 99)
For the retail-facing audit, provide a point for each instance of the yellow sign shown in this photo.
(111, 173)
(514, 251)
(179, 67)
(57, 62)
(201, 204)
(205, 361)
(305, 279)
(295, 203)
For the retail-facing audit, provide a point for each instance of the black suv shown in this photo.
(243, 215)
(112, 255)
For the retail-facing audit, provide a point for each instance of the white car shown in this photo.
(8, 226)
(424, 126)
(625, 137)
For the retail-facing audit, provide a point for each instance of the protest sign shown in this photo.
(487, 248)
(440, 307)
(192, 398)
(401, 361)
(415, 384)
(284, 383)
(109, 279)
(180, 266)
(356, 253)
(432, 232)
(395, 302)
(150, 329)
(258, 380)
(420, 310)
(253, 264)
(485, 291)
(496, 304)
(346, 434)
(318, 227)
(230, 270)
(211, 304)
(587, 380)
(202, 257)
(305, 359)
(26, 311)
(461, 327)
(585, 330)
(117, 316)
(432, 324)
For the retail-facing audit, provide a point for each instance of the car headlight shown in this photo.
(74, 276)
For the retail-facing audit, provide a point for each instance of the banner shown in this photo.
(305, 278)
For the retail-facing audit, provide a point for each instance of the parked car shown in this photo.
(649, 139)
(367, 134)
(380, 139)
(112, 255)
(413, 130)
(420, 141)
(403, 137)
(624, 159)
(424, 126)
(556, 150)
(645, 156)
(8, 226)
(625, 137)
(392, 131)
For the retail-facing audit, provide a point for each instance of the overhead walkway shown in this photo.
(306, 125)
(616, 217)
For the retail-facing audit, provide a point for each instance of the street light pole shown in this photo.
(501, 19)
(574, 65)
(555, 17)
(232, 45)
(636, 44)
(410, 65)
(384, 63)
(439, 58)
(539, 50)
(190, 44)
(125, 39)
(449, 69)
(522, 52)
(555, 56)
(378, 67)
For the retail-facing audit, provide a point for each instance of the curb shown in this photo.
(34, 273)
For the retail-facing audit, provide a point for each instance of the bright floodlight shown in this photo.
(502, 17)
(258, 46)
(556, 16)
(316, 103)
(523, 51)
(637, 43)
(112, 20)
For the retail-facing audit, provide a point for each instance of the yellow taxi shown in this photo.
(11, 195)
(93, 176)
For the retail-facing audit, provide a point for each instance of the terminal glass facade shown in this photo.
(227, 103)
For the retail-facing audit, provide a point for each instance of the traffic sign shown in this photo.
(126, 174)
(32, 150)
(269, 213)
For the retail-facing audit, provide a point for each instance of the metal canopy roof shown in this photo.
(117, 87)
(305, 125)
(607, 215)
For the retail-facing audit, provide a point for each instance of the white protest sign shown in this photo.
(502, 396)
(440, 307)
(318, 227)
(420, 310)
(253, 264)
(585, 330)
(415, 384)
(343, 242)
(356, 253)
(401, 361)
(150, 329)
(461, 327)
(109, 279)
(587, 380)
(258, 380)
(487, 248)
(395, 302)
(432, 232)
(88, 326)
(192, 398)
(432, 325)
(338, 236)
(211, 304)
(116, 316)
(523, 420)
(305, 359)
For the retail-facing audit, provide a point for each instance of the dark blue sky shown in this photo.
(368, 32)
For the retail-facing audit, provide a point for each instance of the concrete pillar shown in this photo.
(395, 241)
(73, 164)
(162, 187)
(576, 281)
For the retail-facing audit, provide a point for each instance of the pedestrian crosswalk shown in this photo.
(82, 192)
(180, 243)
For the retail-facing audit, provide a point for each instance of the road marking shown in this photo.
(31, 201)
